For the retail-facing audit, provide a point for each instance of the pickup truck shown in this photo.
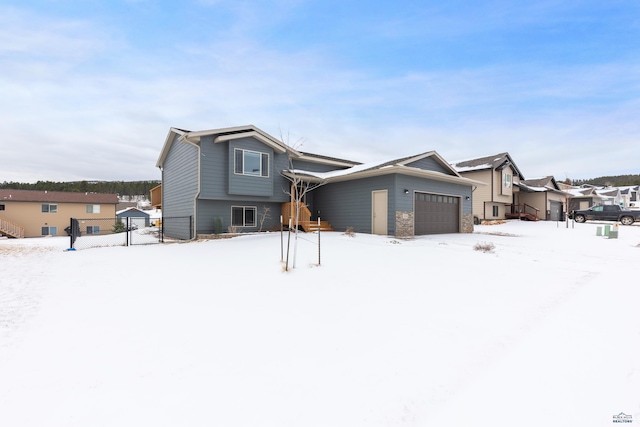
(606, 213)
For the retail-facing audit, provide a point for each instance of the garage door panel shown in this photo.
(436, 214)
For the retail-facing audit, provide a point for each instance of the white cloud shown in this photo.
(72, 90)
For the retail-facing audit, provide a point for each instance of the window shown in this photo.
(49, 231)
(93, 209)
(251, 163)
(93, 229)
(47, 208)
(507, 180)
(243, 216)
(495, 211)
(1, 206)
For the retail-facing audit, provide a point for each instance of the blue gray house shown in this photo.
(137, 217)
(240, 177)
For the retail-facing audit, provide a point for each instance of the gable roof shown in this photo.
(545, 184)
(247, 131)
(399, 166)
(132, 209)
(547, 181)
(495, 162)
(56, 197)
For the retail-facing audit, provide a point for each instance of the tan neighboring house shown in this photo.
(30, 213)
(544, 196)
(500, 173)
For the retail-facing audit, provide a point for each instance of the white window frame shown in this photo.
(239, 168)
(95, 229)
(506, 180)
(244, 216)
(51, 208)
(49, 229)
(93, 209)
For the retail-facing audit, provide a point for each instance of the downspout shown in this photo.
(185, 138)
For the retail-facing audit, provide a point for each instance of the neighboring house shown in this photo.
(29, 213)
(586, 195)
(630, 196)
(499, 172)
(137, 217)
(581, 197)
(155, 196)
(234, 177)
(544, 196)
(610, 195)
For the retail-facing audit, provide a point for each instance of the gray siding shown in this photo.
(179, 188)
(246, 185)
(211, 210)
(348, 204)
(429, 163)
(214, 178)
(219, 182)
(405, 201)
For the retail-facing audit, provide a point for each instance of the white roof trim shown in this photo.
(328, 177)
(278, 147)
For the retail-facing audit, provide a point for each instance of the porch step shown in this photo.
(10, 229)
(521, 216)
(311, 226)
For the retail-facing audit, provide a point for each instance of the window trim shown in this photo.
(49, 227)
(239, 162)
(507, 180)
(91, 208)
(49, 206)
(93, 229)
(254, 209)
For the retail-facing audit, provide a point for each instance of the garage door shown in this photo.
(556, 211)
(436, 214)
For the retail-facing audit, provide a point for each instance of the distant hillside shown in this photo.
(121, 188)
(613, 181)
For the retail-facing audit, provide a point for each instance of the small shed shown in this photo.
(139, 218)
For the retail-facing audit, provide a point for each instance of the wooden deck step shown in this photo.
(10, 229)
(311, 226)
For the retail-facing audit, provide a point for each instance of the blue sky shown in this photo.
(89, 89)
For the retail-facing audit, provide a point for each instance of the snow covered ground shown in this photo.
(544, 330)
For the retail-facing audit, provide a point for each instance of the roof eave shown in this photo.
(405, 170)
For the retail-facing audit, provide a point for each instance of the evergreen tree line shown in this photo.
(121, 188)
(612, 181)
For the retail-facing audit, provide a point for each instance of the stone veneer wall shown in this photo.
(404, 224)
(467, 223)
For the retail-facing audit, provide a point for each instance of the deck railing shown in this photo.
(11, 229)
(289, 212)
(522, 211)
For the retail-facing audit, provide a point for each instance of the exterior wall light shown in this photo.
(406, 191)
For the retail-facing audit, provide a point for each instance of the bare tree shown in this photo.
(301, 184)
(264, 215)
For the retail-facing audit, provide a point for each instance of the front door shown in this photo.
(379, 209)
